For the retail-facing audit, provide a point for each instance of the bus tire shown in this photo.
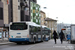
(47, 40)
(71, 41)
(34, 42)
(18, 42)
(43, 39)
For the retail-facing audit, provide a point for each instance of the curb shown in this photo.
(6, 43)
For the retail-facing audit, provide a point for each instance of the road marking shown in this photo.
(30, 47)
(66, 47)
(70, 47)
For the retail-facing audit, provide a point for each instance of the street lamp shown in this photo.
(57, 25)
(48, 15)
(48, 22)
(46, 8)
(41, 29)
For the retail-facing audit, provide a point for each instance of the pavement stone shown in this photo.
(5, 40)
(5, 43)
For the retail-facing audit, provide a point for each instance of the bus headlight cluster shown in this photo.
(28, 35)
(10, 36)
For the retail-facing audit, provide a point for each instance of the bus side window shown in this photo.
(39, 29)
(48, 31)
(30, 28)
(35, 29)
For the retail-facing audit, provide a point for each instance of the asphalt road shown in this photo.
(39, 46)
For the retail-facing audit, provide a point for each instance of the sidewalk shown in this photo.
(5, 41)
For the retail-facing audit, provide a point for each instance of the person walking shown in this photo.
(55, 36)
(68, 37)
(61, 35)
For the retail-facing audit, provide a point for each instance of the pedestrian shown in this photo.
(68, 36)
(55, 36)
(61, 35)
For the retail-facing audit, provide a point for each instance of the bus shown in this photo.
(46, 33)
(20, 32)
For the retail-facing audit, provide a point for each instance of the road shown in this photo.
(39, 46)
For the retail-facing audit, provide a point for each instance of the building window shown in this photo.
(34, 1)
(1, 13)
(24, 0)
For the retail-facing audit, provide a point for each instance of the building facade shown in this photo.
(43, 16)
(18, 10)
(65, 27)
(35, 12)
(62, 26)
(1, 15)
(29, 11)
(52, 24)
(10, 12)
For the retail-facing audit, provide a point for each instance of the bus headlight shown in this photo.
(9, 36)
(28, 35)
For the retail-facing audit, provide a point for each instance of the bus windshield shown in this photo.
(18, 26)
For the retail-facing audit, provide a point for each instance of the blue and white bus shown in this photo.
(46, 33)
(25, 32)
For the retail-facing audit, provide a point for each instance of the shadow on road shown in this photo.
(14, 44)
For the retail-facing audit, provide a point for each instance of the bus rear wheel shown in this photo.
(47, 40)
(34, 40)
(19, 42)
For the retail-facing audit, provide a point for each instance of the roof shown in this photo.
(42, 12)
(50, 19)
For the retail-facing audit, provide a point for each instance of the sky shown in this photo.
(63, 9)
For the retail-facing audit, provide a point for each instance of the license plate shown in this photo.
(18, 36)
(18, 33)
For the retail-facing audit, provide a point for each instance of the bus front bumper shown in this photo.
(18, 39)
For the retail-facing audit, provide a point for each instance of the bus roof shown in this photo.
(29, 23)
(47, 28)
(33, 24)
(44, 26)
